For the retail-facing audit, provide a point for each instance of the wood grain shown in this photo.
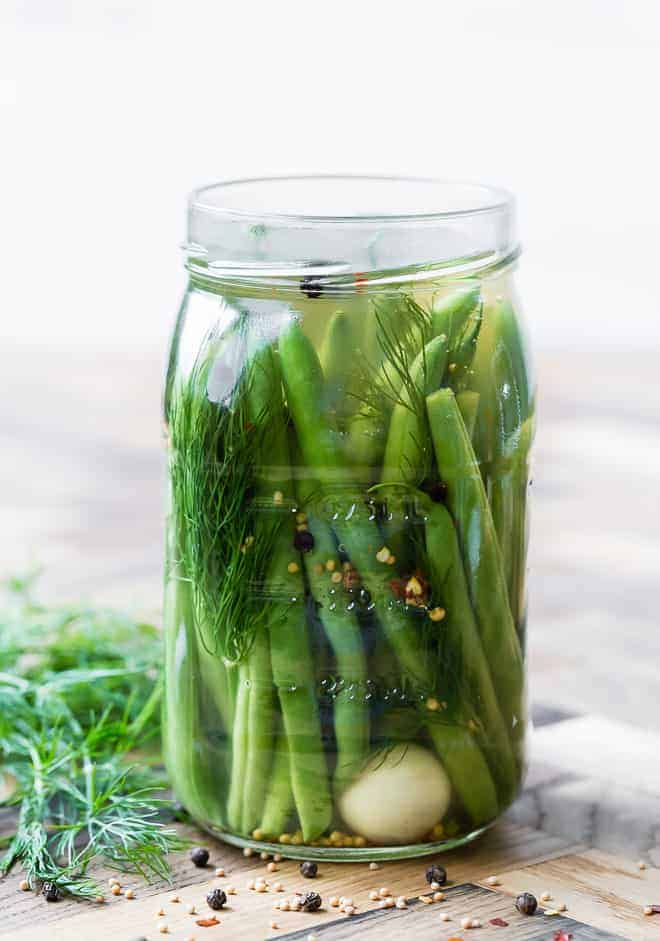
(249, 914)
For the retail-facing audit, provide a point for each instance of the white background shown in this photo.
(111, 111)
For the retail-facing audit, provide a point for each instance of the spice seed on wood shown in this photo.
(220, 873)
(374, 866)
(116, 889)
(130, 894)
(24, 885)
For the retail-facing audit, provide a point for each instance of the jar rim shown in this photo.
(482, 198)
(382, 228)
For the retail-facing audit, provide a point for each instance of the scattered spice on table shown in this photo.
(436, 873)
(207, 922)
(309, 870)
(499, 923)
(311, 902)
(199, 856)
(526, 903)
(216, 899)
(562, 936)
(51, 892)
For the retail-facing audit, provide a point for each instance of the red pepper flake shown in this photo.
(398, 587)
(207, 922)
(499, 922)
(360, 280)
(562, 936)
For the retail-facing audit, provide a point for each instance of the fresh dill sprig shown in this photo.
(214, 448)
(80, 690)
(399, 339)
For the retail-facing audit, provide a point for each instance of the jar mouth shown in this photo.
(334, 199)
(276, 230)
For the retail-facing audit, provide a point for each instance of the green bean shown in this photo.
(406, 459)
(461, 635)
(220, 682)
(450, 314)
(289, 642)
(351, 714)
(467, 769)
(468, 403)
(337, 357)
(295, 680)
(279, 803)
(260, 717)
(469, 506)
(368, 431)
(359, 535)
(240, 746)
(197, 780)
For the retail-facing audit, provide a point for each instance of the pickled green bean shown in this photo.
(469, 506)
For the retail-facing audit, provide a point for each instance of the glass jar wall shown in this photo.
(349, 414)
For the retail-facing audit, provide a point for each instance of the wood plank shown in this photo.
(603, 890)
(249, 914)
(422, 922)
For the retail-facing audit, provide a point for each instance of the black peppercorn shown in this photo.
(437, 874)
(199, 856)
(311, 902)
(526, 903)
(311, 286)
(436, 490)
(309, 870)
(303, 540)
(216, 899)
(50, 892)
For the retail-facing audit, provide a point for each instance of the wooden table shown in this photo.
(80, 492)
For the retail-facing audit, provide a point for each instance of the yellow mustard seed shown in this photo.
(391, 560)
(336, 577)
(331, 565)
(284, 838)
(292, 568)
(258, 834)
(383, 554)
(278, 497)
(437, 614)
(432, 704)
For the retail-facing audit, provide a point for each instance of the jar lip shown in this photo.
(232, 198)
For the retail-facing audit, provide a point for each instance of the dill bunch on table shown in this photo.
(80, 692)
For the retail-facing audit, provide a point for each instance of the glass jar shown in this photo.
(349, 413)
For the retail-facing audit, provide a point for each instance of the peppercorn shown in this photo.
(51, 892)
(303, 540)
(436, 873)
(311, 286)
(526, 903)
(311, 902)
(435, 489)
(199, 856)
(309, 870)
(216, 899)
